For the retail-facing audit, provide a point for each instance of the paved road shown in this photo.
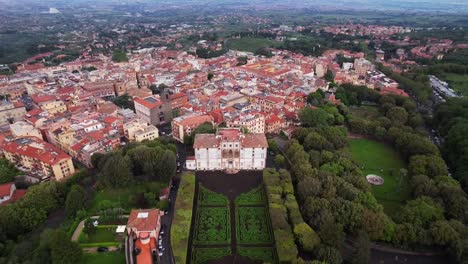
(167, 256)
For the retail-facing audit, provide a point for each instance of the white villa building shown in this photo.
(229, 149)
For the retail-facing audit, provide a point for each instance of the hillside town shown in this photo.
(68, 112)
(193, 132)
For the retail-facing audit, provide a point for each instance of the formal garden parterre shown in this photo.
(212, 226)
(202, 255)
(245, 213)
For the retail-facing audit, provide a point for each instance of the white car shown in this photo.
(160, 254)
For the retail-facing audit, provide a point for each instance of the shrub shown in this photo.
(306, 237)
(181, 223)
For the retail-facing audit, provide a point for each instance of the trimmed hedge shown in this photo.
(182, 221)
(101, 244)
(284, 238)
(289, 227)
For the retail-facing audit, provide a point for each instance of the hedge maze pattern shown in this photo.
(213, 226)
(202, 255)
(212, 230)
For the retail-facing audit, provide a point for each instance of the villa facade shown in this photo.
(229, 149)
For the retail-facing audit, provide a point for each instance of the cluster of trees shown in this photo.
(158, 89)
(416, 84)
(451, 120)
(210, 53)
(152, 160)
(336, 199)
(21, 240)
(242, 60)
(205, 128)
(119, 56)
(264, 52)
(289, 228)
(124, 101)
(7, 171)
(439, 199)
(457, 56)
(88, 69)
(324, 116)
(32, 210)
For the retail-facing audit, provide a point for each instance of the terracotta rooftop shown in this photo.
(148, 102)
(37, 149)
(251, 140)
(143, 219)
(43, 98)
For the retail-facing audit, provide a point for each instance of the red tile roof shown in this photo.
(5, 189)
(43, 98)
(148, 102)
(37, 149)
(143, 219)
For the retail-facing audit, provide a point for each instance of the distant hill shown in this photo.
(439, 6)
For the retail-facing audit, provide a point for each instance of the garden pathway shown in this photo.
(79, 228)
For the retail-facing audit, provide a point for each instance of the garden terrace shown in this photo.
(231, 222)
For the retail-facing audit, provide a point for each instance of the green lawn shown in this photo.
(123, 197)
(103, 234)
(181, 223)
(458, 82)
(383, 160)
(116, 257)
(251, 44)
(365, 111)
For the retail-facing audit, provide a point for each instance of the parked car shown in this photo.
(137, 251)
(160, 253)
(102, 249)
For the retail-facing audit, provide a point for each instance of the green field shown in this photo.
(365, 111)
(116, 257)
(123, 197)
(383, 160)
(251, 44)
(103, 234)
(458, 82)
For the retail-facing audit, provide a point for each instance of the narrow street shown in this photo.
(166, 221)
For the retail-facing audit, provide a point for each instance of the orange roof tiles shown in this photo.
(148, 223)
(43, 98)
(148, 102)
(37, 149)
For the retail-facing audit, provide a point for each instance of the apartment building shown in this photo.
(11, 111)
(154, 111)
(39, 157)
(138, 130)
(184, 125)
